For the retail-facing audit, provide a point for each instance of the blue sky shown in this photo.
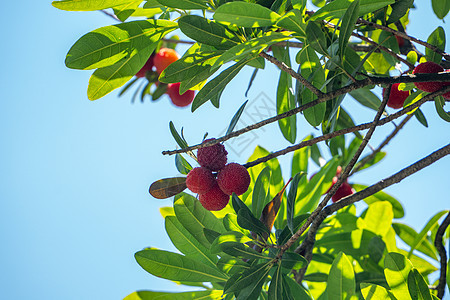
(75, 173)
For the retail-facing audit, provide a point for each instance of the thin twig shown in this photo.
(442, 255)
(291, 72)
(324, 98)
(111, 15)
(405, 36)
(383, 144)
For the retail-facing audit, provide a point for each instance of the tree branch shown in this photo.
(326, 97)
(443, 256)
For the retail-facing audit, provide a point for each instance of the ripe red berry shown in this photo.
(163, 58)
(173, 90)
(396, 97)
(213, 157)
(200, 180)
(147, 67)
(428, 67)
(233, 178)
(215, 199)
(343, 191)
(400, 41)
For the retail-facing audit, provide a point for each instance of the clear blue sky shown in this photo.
(74, 173)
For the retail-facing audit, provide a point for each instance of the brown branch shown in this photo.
(443, 255)
(111, 15)
(405, 36)
(304, 249)
(291, 72)
(383, 144)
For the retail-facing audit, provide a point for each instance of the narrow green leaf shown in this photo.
(275, 291)
(409, 235)
(185, 4)
(396, 270)
(260, 194)
(399, 9)
(337, 8)
(217, 84)
(421, 117)
(108, 45)
(124, 11)
(291, 197)
(88, 5)
(316, 37)
(382, 196)
(245, 14)
(207, 32)
(227, 237)
(196, 295)
(439, 103)
(246, 220)
(231, 265)
(372, 291)
(298, 292)
(293, 261)
(341, 281)
(235, 118)
(378, 218)
(183, 166)
(241, 250)
(436, 38)
(250, 280)
(418, 288)
(175, 266)
(367, 98)
(194, 217)
(186, 243)
(432, 223)
(440, 8)
(180, 141)
(347, 26)
(293, 20)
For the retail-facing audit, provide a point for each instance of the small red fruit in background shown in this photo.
(400, 41)
(200, 180)
(215, 199)
(173, 90)
(396, 97)
(213, 157)
(147, 67)
(428, 67)
(233, 178)
(343, 191)
(163, 58)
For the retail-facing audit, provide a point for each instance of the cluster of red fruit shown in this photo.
(215, 180)
(397, 97)
(160, 61)
(344, 190)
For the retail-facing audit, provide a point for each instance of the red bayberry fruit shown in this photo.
(200, 180)
(215, 199)
(396, 97)
(163, 58)
(343, 191)
(147, 67)
(428, 67)
(400, 41)
(213, 157)
(233, 178)
(173, 90)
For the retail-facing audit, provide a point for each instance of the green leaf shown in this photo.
(399, 9)
(396, 270)
(194, 217)
(217, 84)
(184, 4)
(250, 280)
(182, 164)
(293, 261)
(196, 295)
(310, 67)
(180, 141)
(292, 195)
(251, 47)
(108, 45)
(440, 8)
(382, 196)
(241, 250)
(275, 291)
(367, 98)
(409, 235)
(175, 266)
(285, 97)
(418, 288)
(379, 217)
(439, 103)
(167, 187)
(293, 20)
(347, 26)
(432, 223)
(372, 291)
(186, 243)
(337, 8)
(246, 220)
(235, 118)
(228, 237)
(88, 5)
(421, 117)
(190, 66)
(207, 32)
(436, 38)
(341, 281)
(231, 265)
(124, 11)
(316, 37)
(245, 14)
(261, 194)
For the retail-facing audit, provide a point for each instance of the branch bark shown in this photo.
(442, 255)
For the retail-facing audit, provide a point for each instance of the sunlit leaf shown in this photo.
(418, 288)
(260, 194)
(409, 235)
(379, 217)
(151, 295)
(341, 281)
(235, 118)
(245, 14)
(185, 4)
(348, 24)
(372, 291)
(396, 270)
(336, 9)
(88, 5)
(382, 196)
